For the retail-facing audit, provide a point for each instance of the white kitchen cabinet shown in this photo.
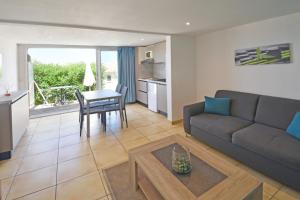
(142, 97)
(142, 86)
(14, 120)
(152, 96)
(162, 98)
(142, 91)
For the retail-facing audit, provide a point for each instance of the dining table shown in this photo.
(101, 95)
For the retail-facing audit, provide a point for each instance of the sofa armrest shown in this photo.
(188, 112)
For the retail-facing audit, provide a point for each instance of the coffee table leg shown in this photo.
(134, 175)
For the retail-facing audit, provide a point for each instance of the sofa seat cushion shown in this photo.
(220, 126)
(271, 143)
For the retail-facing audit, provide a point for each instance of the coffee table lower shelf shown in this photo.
(149, 191)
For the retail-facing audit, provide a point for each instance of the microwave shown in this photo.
(148, 55)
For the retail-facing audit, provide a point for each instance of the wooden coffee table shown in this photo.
(212, 177)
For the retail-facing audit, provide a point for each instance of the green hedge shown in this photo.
(53, 75)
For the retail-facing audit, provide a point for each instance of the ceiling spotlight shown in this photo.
(187, 23)
(142, 39)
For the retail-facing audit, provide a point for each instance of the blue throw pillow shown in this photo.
(294, 127)
(219, 106)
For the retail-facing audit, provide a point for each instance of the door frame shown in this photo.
(98, 63)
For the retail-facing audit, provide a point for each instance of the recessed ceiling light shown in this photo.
(142, 39)
(187, 23)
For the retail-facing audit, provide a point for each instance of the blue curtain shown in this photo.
(126, 71)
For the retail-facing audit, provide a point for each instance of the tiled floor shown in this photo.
(53, 162)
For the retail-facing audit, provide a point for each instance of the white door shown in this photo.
(152, 96)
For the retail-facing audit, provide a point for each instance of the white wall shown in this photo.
(180, 72)
(215, 59)
(9, 78)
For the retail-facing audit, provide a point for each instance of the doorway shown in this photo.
(109, 69)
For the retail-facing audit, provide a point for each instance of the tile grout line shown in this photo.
(33, 192)
(106, 193)
(272, 196)
(55, 196)
(15, 174)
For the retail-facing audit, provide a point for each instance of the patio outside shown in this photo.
(55, 73)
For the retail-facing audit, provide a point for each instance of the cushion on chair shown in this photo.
(220, 126)
(271, 143)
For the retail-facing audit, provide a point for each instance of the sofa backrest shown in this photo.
(276, 112)
(243, 105)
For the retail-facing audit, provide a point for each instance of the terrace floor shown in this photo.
(53, 162)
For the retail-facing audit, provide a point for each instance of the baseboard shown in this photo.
(177, 121)
(5, 155)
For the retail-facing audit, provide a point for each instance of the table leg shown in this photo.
(121, 111)
(133, 174)
(88, 119)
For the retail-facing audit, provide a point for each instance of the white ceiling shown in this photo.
(33, 34)
(159, 16)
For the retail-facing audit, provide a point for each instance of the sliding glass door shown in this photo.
(107, 68)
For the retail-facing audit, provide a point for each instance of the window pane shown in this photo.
(109, 69)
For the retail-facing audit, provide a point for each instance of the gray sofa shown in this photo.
(254, 134)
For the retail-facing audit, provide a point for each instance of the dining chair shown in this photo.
(116, 107)
(83, 110)
(119, 88)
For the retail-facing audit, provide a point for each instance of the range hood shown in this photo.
(148, 61)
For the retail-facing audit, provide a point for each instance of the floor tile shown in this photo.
(85, 187)
(74, 151)
(38, 161)
(46, 194)
(130, 144)
(129, 135)
(42, 147)
(49, 126)
(270, 189)
(44, 136)
(157, 136)
(140, 123)
(25, 140)
(19, 152)
(73, 130)
(8, 168)
(287, 194)
(75, 168)
(109, 157)
(99, 143)
(71, 139)
(150, 130)
(104, 181)
(32, 182)
(5, 186)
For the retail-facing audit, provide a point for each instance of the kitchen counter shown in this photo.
(152, 81)
(13, 97)
(14, 120)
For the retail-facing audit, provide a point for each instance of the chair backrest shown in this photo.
(124, 94)
(79, 97)
(119, 88)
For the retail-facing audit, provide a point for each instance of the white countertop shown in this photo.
(152, 81)
(13, 97)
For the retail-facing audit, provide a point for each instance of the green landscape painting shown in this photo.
(272, 54)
